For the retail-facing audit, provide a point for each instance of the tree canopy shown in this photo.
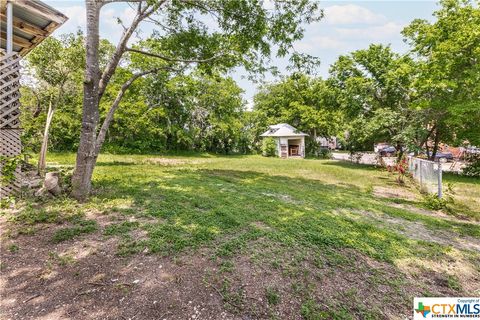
(172, 91)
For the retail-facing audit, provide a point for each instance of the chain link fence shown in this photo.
(427, 173)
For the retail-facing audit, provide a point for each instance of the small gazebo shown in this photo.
(290, 141)
(24, 25)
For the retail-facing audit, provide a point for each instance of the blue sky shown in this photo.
(347, 26)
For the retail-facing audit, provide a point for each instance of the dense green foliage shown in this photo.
(57, 67)
(415, 101)
(372, 87)
(269, 147)
(198, 111)
(448, 79)
(301, 101)
(473, 167)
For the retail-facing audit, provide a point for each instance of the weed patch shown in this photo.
(80, 227)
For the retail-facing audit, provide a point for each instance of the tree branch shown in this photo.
(108, 119)
(170, 59)
(142, 13)
(113, 1)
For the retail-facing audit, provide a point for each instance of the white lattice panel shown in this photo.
(10, 143)
(10, 91)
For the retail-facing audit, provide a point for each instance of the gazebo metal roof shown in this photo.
(283, 130)
(33, 21)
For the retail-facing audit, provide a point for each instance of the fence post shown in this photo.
(420, 165)
(439, 179)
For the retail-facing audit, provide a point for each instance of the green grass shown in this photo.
(272, 296)
(80, 226)
(120, 228)
(229, 203)
(202, 199)
(13, 248)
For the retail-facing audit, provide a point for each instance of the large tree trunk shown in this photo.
(435, 145)
(42, 160)
(87, 151)
(400, 151)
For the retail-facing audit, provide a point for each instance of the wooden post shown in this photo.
(439, 180)
(420, 163)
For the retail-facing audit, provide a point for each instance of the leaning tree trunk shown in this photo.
(87, 153)
(435, 145)
(42, 160)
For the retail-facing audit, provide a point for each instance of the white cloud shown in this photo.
(311, 44)
(109, 26)
(382, 32)
(109, 17)
(351, 14)
(76, 17)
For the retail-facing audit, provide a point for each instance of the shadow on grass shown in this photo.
(457, 178)
(198, 206)
(351, 165)
(189, 209)
(115, 163)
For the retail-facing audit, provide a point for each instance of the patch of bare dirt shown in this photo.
(391, 193)
(417, 230)
(356, 284)
(282, 197)
(436, 214)
(261, 226)
(169, 161)
(454, 269)
(85, 279)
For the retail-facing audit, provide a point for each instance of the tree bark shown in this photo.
(43, 150)
(94, 86)
(435, 145)
(399, 148)
(425, 140)
(86, 155)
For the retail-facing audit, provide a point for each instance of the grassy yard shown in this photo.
(238, 237)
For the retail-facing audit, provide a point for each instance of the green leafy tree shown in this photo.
(301, 101)
(56, 65)
(448, 84)
(373, 87)
(197, 112)
(226, 34)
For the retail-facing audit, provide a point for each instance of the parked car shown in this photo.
(388, 151)
(443, 156)
(472, 150)
(439, 156)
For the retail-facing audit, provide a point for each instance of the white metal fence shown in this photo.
(427, 173)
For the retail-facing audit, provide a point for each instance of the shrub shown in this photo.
(356, 156)
(269, 147)
(325, 154)
(433, 202)
(472, 169)
(401, 167)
